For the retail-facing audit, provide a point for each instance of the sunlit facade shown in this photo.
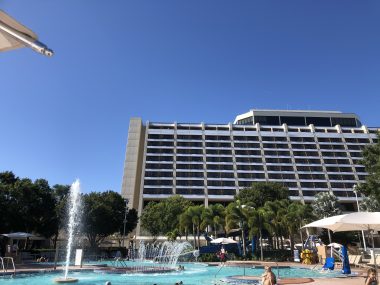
(307, 151)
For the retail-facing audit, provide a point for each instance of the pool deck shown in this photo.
(350, 280)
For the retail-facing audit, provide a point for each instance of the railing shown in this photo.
(9, 260)
(337, 253)
(278, 271)
(221, 266)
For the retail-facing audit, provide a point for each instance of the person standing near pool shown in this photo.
(268, 277)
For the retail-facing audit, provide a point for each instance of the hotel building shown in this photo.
(307, 151)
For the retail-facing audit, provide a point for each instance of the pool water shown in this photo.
(194, 274)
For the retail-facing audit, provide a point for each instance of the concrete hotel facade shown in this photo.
(308, 151)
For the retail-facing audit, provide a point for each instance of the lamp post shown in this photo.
(125, 219)
(355, 190)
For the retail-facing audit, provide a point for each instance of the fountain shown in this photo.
(164, 257)
(73, 209)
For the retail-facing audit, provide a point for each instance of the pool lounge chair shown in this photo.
(358, 261)
(352, 258)
(372, 261)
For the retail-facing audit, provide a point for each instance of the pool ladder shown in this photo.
(6, 267)
(221, 267)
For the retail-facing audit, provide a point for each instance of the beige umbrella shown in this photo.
(367, 221)
(15, 35)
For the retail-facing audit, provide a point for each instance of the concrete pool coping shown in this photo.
(349, 280)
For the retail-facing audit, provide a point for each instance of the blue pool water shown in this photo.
(194, 274)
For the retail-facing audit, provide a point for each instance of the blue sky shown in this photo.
(67, 117)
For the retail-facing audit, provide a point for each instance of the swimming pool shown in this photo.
(194, 274)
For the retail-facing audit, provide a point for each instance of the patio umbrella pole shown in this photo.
(373, 251)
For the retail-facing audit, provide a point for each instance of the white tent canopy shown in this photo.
(223, 241)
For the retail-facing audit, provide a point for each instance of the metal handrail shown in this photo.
(278, 271)
(221, 266)
(2, 263)
(5, 269)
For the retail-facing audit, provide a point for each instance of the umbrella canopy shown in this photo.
(350, 222)
(18, 235)
(223, 241)
(15, 35)
(367, 221)
(335, 245)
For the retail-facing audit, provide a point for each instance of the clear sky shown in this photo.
(67, 117)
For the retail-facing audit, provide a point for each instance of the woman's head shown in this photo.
(371, 273)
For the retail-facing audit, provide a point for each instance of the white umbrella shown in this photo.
(327, 223)
(223, 240)
(367, 221)
(335, 245)
(18, 235)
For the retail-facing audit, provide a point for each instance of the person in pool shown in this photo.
(371, 277)
(268, 277)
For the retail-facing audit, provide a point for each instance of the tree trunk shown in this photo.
(261, 247)
(55, 239)
(199, 236)
(291, 238)
(243, 237)
(301, 236)
(194, 236)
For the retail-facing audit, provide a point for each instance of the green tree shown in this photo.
(237, 215)
(174, 206)
(370, 204)
(195, 213)
(371, 161)
(131, 223)
(257, 222)
(326, 205)
(61, 193)
(164, 216)
(261, 192)
(214, 216)
(151, 218)
(295, 216)
(275, 212)
(103, 215)
(30, 206)
(185, 224)
(7, 180)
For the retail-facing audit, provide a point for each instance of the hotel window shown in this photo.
(195, 191)
(268, 120)
(318, 121)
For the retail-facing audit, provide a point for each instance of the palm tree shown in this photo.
(256, 223)
(272, 208)
(238, 215)
(213, 216)
(185, 223)
(195, 213)
(290, 220)
(297, 214)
